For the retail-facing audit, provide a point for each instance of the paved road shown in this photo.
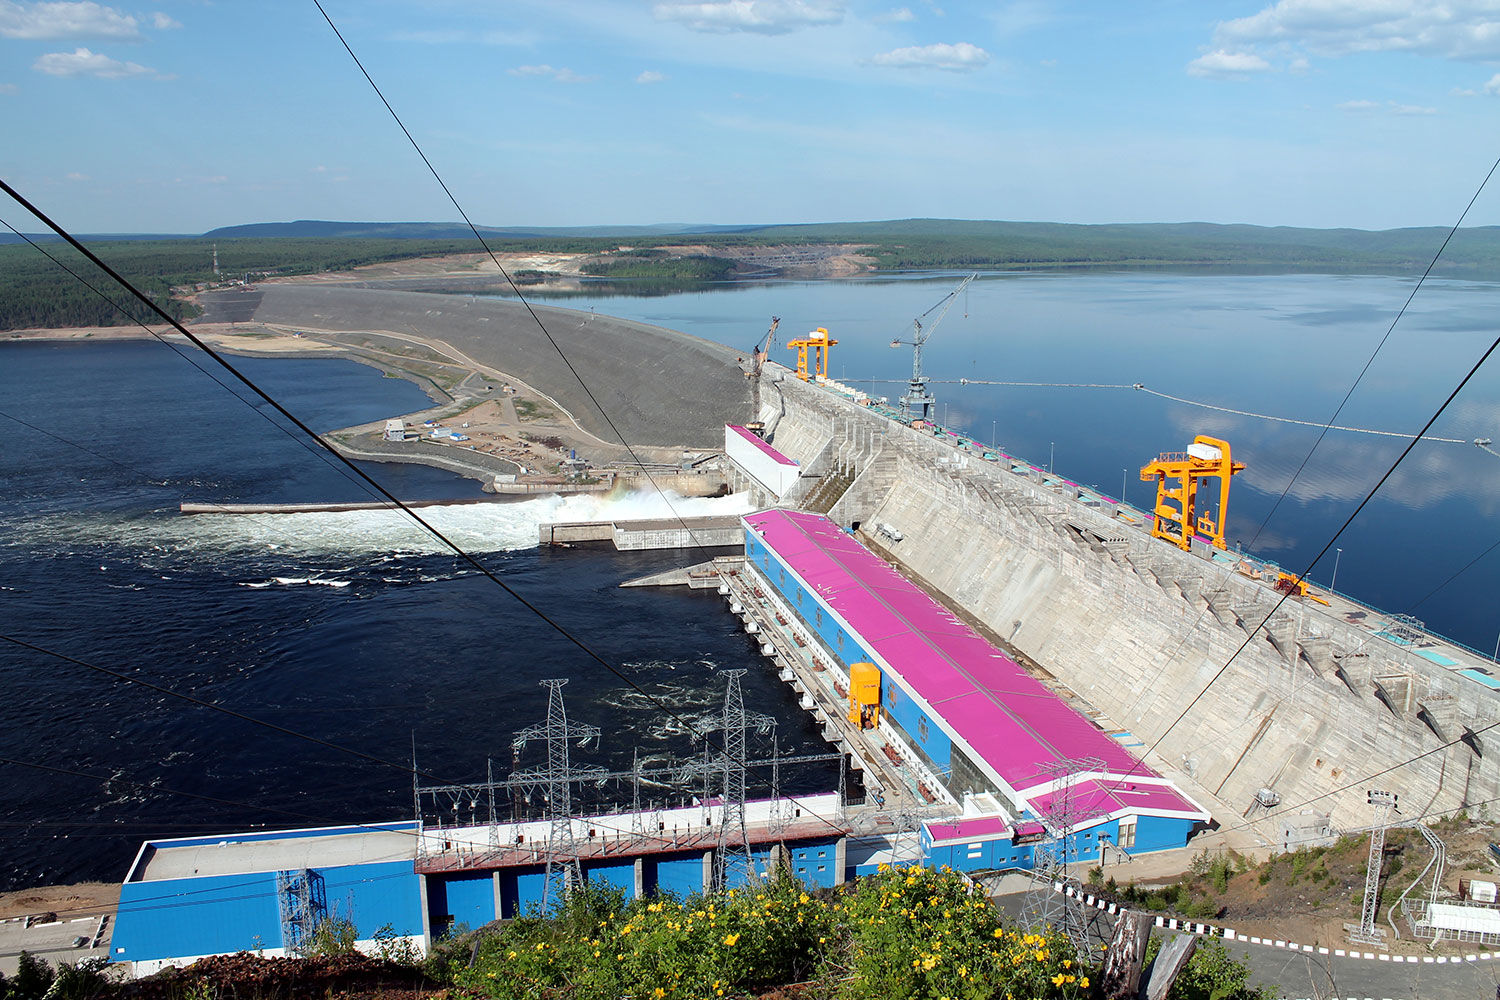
(1298, 975)
(659, 387)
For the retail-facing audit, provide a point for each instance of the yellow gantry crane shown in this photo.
(820, 342)
(1177, 474)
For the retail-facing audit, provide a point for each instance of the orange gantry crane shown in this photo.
(1177, 475)
(820, 342)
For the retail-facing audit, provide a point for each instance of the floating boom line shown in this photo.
(1141, 387)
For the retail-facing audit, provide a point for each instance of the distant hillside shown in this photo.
(903, 244)
(311, 229)
(918, 243)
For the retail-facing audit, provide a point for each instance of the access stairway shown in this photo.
(828, 492)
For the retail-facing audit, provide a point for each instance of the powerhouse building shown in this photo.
(998, 739)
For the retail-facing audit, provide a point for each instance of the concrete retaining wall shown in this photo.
(1138, 628)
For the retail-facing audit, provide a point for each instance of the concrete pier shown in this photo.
(713, 531)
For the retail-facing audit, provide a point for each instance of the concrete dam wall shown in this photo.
(1135, 626)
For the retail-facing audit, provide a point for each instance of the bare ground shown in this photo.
(83, 899)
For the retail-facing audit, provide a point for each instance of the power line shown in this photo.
(1368, 496)
(300, 425)
(1142, 387)
(175, 350)
(506, 275)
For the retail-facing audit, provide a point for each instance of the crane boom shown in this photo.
(918, 403)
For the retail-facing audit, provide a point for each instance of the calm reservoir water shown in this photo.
(356, 628)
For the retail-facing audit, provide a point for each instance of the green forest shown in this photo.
(36, 292)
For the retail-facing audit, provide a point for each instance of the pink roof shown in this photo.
(756, 440)
(1102, 798)
(1006, 716)
(979, 828)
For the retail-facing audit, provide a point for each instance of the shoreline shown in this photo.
(512, 432)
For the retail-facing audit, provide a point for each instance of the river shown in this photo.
(356, 629)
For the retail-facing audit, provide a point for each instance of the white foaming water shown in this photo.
(484, 527)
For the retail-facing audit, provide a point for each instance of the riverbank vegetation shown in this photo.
(36, 292)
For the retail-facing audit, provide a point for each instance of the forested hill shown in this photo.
(918, 243)
(35, 292)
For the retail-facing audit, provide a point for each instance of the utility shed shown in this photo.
(971, 712)
(265, 891)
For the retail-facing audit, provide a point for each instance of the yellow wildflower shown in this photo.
(731, 939)
(1057, 980)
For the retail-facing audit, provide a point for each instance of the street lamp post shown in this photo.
(1337, 555)
(1051, 455)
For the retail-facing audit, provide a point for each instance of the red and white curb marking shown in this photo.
(1230, 934)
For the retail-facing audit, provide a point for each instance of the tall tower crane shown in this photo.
(918, 403)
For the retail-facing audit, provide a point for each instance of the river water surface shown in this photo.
(357, 629)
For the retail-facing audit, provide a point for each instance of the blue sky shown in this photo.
(183, 116)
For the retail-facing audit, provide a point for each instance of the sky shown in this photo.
(185, 115)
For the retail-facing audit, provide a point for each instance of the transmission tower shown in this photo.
(1366, 932)
(727, 768)
(556, 781)
(1045, 907)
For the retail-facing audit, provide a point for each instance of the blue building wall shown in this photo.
(619, 876)
(682, 876)
(815, 863)
(207, 915)
(460, 901)
(521, 890)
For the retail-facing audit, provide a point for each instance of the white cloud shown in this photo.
(898, 16)
(82, 62)
(763, 17)
(561, 75)
(1362, 107)
(164, 22)
(1454, 29)
(75, 176)
(1493, 87)
(958, 58)
(650, 76)
(1224, 64)
(456, 37)
(49, 20)
(9, 88)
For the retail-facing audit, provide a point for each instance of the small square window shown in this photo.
(922, 729)
(822, 868)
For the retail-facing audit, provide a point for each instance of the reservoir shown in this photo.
(354, 628)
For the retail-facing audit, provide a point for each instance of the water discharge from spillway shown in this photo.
(477, 528)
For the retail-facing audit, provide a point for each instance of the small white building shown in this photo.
(395, 430)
